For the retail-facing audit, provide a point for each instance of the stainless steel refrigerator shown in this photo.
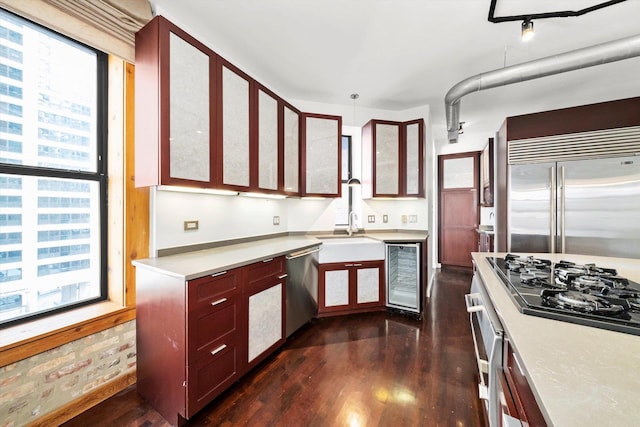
(589, 207)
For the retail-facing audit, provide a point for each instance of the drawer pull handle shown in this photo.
(283, 276)
(357, 265)
(220, 273)
(218, 350)
(348, 265)
(220, 301)
(267, 260)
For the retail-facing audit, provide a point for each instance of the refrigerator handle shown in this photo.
(552, 210)
(562, 208)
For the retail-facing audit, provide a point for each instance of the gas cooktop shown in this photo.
(584, 294)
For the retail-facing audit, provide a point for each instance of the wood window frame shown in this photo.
(128, 238)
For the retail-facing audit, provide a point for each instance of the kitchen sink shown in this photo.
(347, 249)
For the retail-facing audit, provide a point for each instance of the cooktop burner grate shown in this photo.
(584, 294)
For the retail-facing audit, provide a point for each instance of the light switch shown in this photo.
(191, 225)
(276, 220)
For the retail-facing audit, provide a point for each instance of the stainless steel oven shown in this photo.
(488, 335)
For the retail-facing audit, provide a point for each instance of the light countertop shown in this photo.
(194, 264)
(580, 375)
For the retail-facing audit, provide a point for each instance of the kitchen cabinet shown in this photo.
(265, 299)
(175, 128)
(321, 155)
(234, 150)
(486, 175)
(519, 403)
(197, 337)
(291, 147)
(214, 336)
(393, 159)
(351, 287)
(268, 147)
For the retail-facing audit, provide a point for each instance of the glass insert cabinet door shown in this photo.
(291, 150)
(322, 155)
(235, 128)
(189, 133)
(267, 141)
(387, 158)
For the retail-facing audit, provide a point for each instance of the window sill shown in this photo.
(25, 340)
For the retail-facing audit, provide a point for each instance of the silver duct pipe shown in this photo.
(574, 60)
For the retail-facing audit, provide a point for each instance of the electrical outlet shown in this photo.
(276, 220)
(191, 225)
(371, 219)
(413, 218)
(403, 218)
(385, 218)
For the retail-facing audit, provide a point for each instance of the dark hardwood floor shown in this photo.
(376, 369)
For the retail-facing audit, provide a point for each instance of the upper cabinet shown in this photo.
(174, 114)
(486, 175)
(234, 151)
(321, 155)
(268, 147)
(203, 122)
(393, 159)
(291, 148)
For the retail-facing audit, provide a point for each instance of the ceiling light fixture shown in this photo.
(354, 96)
(527, 30)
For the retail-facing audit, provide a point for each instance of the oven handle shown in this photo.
(470, 299)
(483, 365)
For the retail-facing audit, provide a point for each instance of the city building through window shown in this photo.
(53, 181)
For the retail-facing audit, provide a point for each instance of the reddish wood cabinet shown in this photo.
(350, 287)
(519, 402)
(196, 338)
(203, 122)
(393, 159)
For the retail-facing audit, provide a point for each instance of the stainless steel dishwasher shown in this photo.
(302, 288)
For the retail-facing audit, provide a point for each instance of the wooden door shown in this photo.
(459, 214)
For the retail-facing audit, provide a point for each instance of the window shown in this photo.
(53, 181)
(344, 205)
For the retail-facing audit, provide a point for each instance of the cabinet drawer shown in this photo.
(211, 326)
(210, 289)
(266, 270)
(210, 376)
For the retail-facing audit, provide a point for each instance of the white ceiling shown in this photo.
(402, 54)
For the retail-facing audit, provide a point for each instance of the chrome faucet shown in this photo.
(352, 225)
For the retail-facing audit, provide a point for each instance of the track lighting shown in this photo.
(527, 30)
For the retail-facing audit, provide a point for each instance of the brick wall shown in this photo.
(33, 387)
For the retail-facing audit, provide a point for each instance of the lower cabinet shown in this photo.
(196, 338)
(350, 287)
(517, 400)
(265, 299)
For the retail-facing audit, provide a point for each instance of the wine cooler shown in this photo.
(403, 277)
